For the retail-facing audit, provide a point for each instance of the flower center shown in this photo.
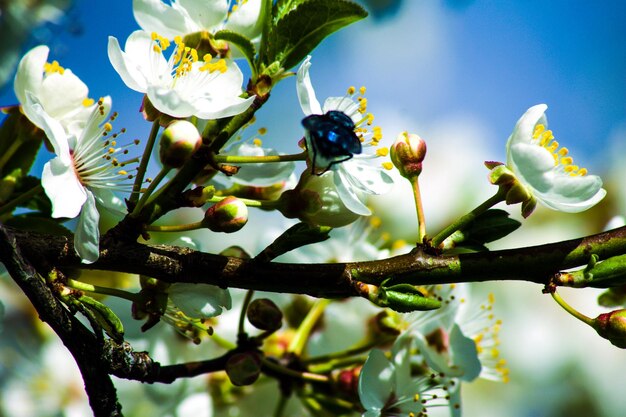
(184, 57)
(544, 138)
(98, 159)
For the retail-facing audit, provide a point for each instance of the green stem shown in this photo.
(6, 156)
(143, 165)
(305, 376)
(244, 309)
(21, 199)
(357, 350)
(176, 227)
(146, 195)
(419, 208)
(83, 286)
(280, 406)
(469, 217)
(223, 343)
(306, 327)
(571, 310)
(240, 159)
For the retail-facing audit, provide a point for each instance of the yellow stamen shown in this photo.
(257, 142)
(387, 165)
(88, 101)
(382, 151)
(351, 90)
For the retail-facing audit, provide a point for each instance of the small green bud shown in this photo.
(612, 326)
(227, 216)
(407, 154)
(265, 315)
(179, 141)
(244, 368)
(403, 298)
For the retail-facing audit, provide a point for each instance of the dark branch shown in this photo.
(82, 344)
(174, 264)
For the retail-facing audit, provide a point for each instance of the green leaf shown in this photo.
(240, 41)
(304, 26)
(103, 316)
(296, 236)
(283, 7)
(491, 225)
(405, 298)
(20, 141)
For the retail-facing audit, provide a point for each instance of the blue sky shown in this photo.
(490, 60)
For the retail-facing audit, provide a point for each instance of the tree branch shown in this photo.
(82, 343)
(175, 264)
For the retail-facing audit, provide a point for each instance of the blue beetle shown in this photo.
(331, 138)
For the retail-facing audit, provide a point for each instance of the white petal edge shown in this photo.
(29, 73)
(304, 88)
(127, 69)
(63, 189)
(348, 196)
(156, 16)
(87, 235)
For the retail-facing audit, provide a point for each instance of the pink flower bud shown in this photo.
(407, 154)
(227, 216)
(612, 326)
(179, 141)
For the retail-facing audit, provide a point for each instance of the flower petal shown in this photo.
(63, 189)
(129, 67)
(52, 128)
(573, 194)
(464, 354)
(343, 104)
(366, 177)
(206, 14)
(348, 195)
(375, 381)
(246, 19)
(306, 94)
(156, 16)
(525, 126)
(87, 236)
(200, 300)
(171, 102)
(62, 94)
(29, 73)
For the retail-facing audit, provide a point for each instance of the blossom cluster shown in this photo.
(404, 349)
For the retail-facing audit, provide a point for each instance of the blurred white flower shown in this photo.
(183, 17)
(60, 93)
(546, 170)
(458, 340)
(354, 175)
(200, 301)
(386, 387)
(183, 85)
(84, 170)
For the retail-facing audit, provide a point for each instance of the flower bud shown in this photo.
(243, 368)
(403, 298)
(407, 154)
(179, 141)
(612, 326)
(316, 201)
(228, 216)
(265, 315)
